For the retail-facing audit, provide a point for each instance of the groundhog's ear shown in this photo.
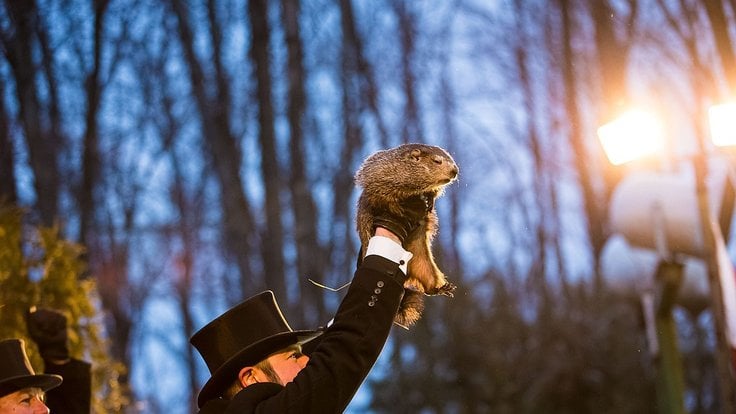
(415, 153)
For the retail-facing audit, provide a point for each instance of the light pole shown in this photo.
(634, 135)
(722, 119)
(670, 382)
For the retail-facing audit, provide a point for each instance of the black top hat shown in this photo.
(243, 336)
(16, 372)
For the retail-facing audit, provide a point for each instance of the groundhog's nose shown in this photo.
(454, 171)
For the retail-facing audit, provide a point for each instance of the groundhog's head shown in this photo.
(407, 170)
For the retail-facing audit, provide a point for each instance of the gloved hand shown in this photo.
(48, 329)
(414, 209)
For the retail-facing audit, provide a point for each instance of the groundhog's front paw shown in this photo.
(447, 289)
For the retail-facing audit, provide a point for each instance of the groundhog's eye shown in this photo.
(415, 154)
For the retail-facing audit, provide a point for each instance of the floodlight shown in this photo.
(633, 135)
(723, 124)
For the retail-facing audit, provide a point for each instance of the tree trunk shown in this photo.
(411, 128)
(613, 55)
(538, 268)
(186, 232)
(366, 84)
(352, 105)
(719, 27)
(594, 214)
(272, 240)
(8, 191)
(118, 297)
(448, 102)
(91, 158)
(238, 226)
(42, 149)
(310, 255)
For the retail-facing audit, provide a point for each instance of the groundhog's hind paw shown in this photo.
(412, 304)
(410, 309)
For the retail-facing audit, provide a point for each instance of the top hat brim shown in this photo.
(43, 381)
(249, 356)
(312, 343)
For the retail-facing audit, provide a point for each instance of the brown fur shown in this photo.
(392, 175)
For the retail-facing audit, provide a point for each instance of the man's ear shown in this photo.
(247, 376)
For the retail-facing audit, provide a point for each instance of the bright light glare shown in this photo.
(633, 135)
(723, 124)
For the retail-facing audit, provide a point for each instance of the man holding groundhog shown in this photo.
(256, 360)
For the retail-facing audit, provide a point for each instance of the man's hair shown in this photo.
(233, 389)
(265, 366)
(268, 370)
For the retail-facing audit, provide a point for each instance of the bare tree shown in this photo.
(595, 212)
(724, 45)
(19, 46)
(190, 212)
(613, 51)
(121, 298)
(309, 251)
(272, 239)
(353, 66)
(543, 189)
(360, 69)
(411, 126)
(213, 108)
(91, 158)
(450, 256)
(8, 192)
(182, 238)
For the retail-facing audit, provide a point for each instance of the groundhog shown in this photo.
(387, 177)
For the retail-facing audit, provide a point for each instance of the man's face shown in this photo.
(280, 367)
(25, 401)
(287, 364)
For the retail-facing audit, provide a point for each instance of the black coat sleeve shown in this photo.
(74, 394)
(347, 350)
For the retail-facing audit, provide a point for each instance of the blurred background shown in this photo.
(162, 160)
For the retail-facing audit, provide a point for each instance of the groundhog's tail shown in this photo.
(410, 310)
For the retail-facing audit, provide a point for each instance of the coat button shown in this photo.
(377, 290)
(371, 303)
(380, 283)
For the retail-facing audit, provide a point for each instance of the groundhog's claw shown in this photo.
(447, 289)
